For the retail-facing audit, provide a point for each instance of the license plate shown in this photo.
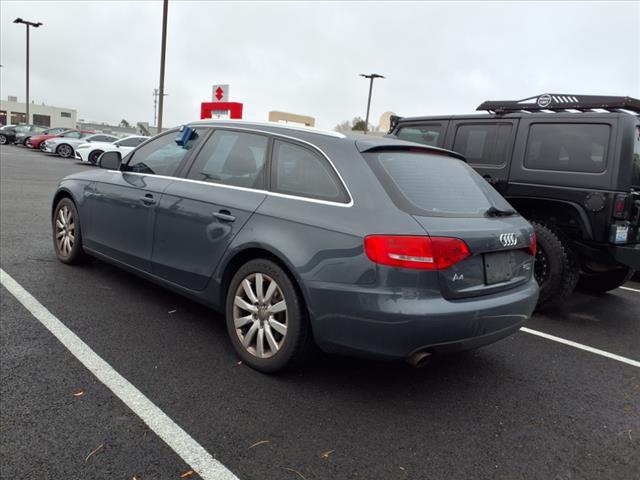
(499, 266)
(622, 233)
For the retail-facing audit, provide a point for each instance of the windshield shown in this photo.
(434, 185)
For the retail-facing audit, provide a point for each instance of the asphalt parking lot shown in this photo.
(526, 407)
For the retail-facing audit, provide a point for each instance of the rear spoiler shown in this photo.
(383, 144)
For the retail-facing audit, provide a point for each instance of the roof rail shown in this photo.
(561, 102)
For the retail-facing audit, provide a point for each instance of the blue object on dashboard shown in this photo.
(184, 136)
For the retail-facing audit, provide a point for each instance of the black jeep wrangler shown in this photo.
(570, 164)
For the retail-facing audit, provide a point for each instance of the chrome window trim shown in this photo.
(243, 189)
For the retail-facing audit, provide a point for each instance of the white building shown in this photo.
(12, 112)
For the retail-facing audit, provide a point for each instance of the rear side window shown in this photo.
(434, 185)
(483, 144)
(232, 158)
(425, 134)
(568, 147)
(302, 172)
(130, 142)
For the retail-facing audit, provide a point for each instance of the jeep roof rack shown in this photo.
(561, 102)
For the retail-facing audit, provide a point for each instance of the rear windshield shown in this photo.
(434, 185)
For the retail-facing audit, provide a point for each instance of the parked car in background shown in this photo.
(7, 133)
(23, 138)
(90, 152)
(65, 144)
(366, 246)
(568, 163)
(37, 141)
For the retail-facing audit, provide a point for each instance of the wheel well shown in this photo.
(250, 254)
(567, 217)
(59, 196)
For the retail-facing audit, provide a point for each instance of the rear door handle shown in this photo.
(224, 216)
(148, 199)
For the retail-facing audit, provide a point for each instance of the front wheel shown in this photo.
(602, 282)
(3, 140)
(64, 150)
(555, 269)
(266, 318)
(93, 156)
(67, 236)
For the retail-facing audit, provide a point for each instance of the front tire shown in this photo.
(64, 150)
(556, 268)
(93, 156)
(266, 318)
(67, 236)
(3, 140)
(602, 282)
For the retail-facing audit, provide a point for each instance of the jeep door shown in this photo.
(487, 145)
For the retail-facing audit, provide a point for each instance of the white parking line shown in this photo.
(178, 440)
(587, 348)
(631, 289)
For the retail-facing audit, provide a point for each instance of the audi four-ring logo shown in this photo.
(508, 239)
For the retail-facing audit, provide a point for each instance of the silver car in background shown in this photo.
(65, 145)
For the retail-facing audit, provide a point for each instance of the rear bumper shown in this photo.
(373, 323)
(628, 255)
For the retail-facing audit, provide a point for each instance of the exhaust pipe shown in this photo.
(419, 359)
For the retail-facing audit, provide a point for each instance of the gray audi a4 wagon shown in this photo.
(364, 246)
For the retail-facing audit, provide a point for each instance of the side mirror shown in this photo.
(110, 160)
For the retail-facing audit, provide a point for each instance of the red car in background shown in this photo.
(38, 140)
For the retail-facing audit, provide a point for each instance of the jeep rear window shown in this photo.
(434, 185)
(568, 147)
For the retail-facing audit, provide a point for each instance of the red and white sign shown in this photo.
(220, 93)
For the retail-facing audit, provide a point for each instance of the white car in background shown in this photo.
(90, 152)
(65, 144)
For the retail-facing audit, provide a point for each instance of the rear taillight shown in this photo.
(422, 253)
(620, 209)
(533, 245)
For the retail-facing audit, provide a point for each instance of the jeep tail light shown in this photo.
(422, 253)
(620, 206)
(533, 245)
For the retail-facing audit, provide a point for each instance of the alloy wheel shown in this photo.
(260, 315)
(3, 139)
(65, 151)
(65, 230)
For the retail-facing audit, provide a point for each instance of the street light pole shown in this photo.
(35, 25)
(371, 77)
(165, 8)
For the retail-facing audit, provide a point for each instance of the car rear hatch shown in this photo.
(451, 201)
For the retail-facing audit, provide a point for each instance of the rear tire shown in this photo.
(257, 293)
(67, 236)
(602, 282)
(556, 268)
(41, 148)
(3, 140)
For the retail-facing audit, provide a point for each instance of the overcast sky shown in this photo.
(102, 58)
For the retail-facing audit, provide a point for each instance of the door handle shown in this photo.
(224, 216)
(148, 199)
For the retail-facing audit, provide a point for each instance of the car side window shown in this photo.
(130, 142)
(232, 158)
(162, 156)
(426, 134)
(73, 135)
(299, 171)
(483, 143)
(567, 147)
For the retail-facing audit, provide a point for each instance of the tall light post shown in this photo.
(371, 77)
(165, 8)
(35, 25)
